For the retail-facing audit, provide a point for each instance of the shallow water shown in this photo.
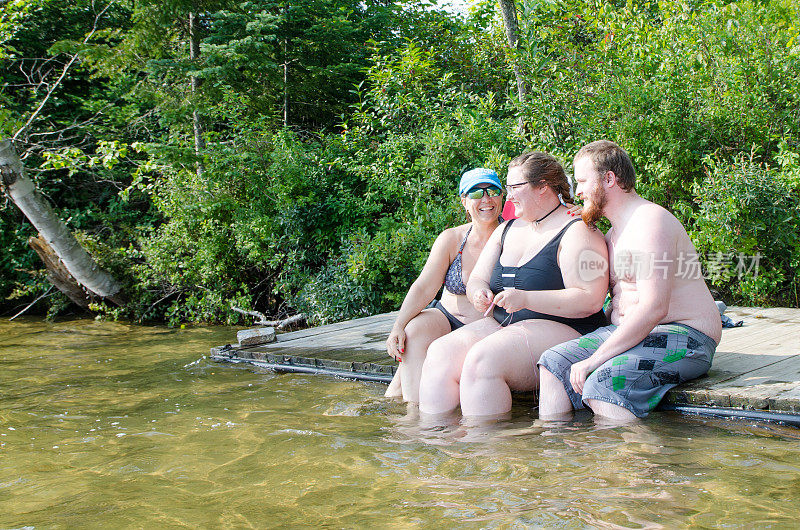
(108, 424)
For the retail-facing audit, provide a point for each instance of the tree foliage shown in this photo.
(336, 130)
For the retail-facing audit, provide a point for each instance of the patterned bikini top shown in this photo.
(453, 280)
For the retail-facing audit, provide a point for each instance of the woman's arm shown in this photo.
(423, 290)
(478, 291)
(583, 259)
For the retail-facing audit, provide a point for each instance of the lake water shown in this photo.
(115, 425)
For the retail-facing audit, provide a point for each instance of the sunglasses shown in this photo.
(478, 193)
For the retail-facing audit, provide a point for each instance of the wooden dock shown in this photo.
(355, 349)
(756, 370)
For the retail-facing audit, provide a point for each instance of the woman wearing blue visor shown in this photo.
(541, 280)
(451, 260)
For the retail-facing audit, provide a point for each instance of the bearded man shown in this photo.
(665, 326)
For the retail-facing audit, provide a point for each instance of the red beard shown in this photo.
(593, 207)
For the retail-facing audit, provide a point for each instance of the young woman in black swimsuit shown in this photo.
(541, 280)
(450, 262)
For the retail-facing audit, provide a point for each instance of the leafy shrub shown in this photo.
(672, 82)
(748, 209)
(333, 295)
(337, 219)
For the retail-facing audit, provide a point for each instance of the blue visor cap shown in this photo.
(476, 176)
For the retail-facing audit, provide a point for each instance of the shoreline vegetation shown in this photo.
(300, 157)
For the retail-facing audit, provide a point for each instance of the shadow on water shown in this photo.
(108, 424)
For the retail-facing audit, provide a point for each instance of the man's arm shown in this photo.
(654, 243)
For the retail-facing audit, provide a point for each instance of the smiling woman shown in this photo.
(452, 258)
(528, 283)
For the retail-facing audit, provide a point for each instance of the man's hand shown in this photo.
(580, 371)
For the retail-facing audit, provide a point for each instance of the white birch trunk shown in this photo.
(77, 261)
(509, 11)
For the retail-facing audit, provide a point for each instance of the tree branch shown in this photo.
(45, 295)
(262, 319)
(63, 74)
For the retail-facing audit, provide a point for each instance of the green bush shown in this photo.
(746, 210)
(336, 219)
(672, 82)
(333, 295)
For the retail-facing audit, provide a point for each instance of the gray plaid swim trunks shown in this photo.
(637, 379)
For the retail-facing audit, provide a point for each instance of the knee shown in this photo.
(414, 328)
(418, 335)
(438, 350)
(552, 367)
(480, 363)
(438, 361)
(416, 343)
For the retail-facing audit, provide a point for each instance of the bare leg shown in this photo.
(610, 411)
(394, 390)
(506, 361)
(554, 404)
(423, 329)
(441, 374)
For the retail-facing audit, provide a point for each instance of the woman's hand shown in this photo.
(574, 210)
(396, 344)
(579, 372)
(482, 299)
(511, 299)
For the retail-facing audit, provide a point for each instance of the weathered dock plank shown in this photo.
(353, 349)
(379, 322)
(756, 367)
(761, 336)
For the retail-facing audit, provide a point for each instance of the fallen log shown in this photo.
(253, 337)
(58, 275)
(74, 258)
(262, 318)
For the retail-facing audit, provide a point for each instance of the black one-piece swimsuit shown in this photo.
(540, 273)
